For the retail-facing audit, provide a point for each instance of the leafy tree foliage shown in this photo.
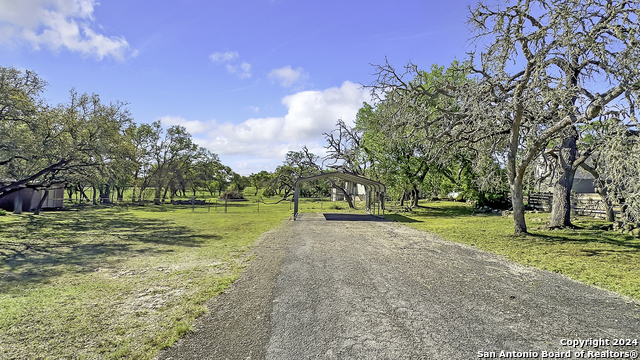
(617, 165)
(533, 82)
(415, 137)
(558, 48)
(87, 143)
(259, 180)
(41, 145)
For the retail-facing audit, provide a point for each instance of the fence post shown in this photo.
(209, 206)
(258, 205)
(193, 204)
(225, 205)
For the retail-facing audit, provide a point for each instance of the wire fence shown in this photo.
(215, 204)
(195, 204)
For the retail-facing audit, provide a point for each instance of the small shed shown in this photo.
(27, 199)
(374, 191)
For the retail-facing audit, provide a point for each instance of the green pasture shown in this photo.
(123, 281)
(590, 253)
(119, 281)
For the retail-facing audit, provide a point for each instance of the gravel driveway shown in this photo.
(321, 289)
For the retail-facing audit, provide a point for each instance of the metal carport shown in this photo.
(372, 187)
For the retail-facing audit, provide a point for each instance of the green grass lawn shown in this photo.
(122, 281)
(112, 282)
(126, 281)
(592, 255)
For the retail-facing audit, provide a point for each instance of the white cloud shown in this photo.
(313, 112)
(243, 70)
(287, 76)
(58, 24)
(192, 126)
(221, 57)
(310, 113)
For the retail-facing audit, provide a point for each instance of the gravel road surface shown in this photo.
(353, 289)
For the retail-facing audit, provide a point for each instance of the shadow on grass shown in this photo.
(587, 231)
(37, 248)
(441, 211)
(591, 236)
(400, 218)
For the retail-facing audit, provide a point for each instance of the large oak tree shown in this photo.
(41, 144)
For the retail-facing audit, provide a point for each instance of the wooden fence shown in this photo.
(581, 204)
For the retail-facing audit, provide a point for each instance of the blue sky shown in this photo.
(250, 80)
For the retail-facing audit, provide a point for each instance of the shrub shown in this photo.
(269, 192)
(3, 212)
(335, 206)
(232, 195)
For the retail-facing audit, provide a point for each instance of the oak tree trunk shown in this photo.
(602, 191)
(611, 217)
(164, 194)
(82, 194)
(517, 194)
(105, 194)
(41, 202)
(415, 197)
(156, 198)
(561, 205)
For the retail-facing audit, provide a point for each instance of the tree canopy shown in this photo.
(87, 141)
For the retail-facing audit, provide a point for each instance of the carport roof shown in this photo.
(345, 176)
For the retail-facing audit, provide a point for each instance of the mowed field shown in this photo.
(590, 253)
(126, 281)
(113, 282)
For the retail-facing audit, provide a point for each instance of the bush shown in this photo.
(494, 200)
(269, 192)
(335, 206)
(3, 212)
(232, 195)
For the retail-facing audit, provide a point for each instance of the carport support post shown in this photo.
(367, 198)
(295, 203)
(376, 203)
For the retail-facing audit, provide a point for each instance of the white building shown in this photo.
(352, 189)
